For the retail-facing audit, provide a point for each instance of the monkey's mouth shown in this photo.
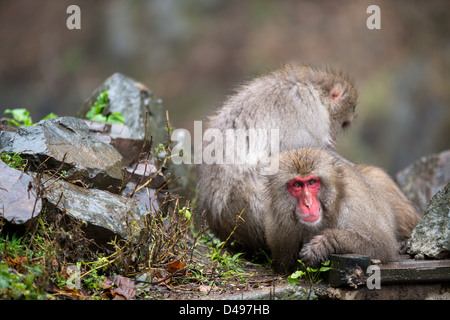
(310, 218)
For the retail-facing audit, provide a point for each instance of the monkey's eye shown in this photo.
(346, 124)
(297, 185)
(311, 182)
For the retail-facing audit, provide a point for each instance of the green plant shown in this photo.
(186, 212)
(15, 285)
(231, 263)
(312, 275)
(94, 277)
(96, 111)
(13, 160)
(12, 246)
(22, 117)
(20, 274)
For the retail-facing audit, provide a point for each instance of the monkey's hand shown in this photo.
(317, 250)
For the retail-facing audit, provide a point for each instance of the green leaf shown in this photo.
(310, 269)
(50, 116)
(297, 274)
(116, 117)
(19, 115)
(323, 269)
(98, 118)
(236, 256)
(187, 213)
(95, 113)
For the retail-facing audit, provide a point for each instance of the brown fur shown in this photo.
(359, 216)
(406, 214)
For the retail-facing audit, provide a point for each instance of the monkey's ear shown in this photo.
(336, 92)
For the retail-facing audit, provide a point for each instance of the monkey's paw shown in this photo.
(317, 250)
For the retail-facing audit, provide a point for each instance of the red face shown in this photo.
(305, 191)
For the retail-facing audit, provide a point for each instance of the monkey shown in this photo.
(319, 204)
(309, 106)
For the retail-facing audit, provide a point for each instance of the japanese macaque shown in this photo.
(319, 204)
(406, 214)
(309, 107)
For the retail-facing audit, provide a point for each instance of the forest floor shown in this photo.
(54, 261)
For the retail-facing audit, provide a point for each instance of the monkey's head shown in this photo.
(307, 183)
(340, 97)
(326, 100)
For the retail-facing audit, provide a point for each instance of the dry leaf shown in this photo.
(71, 293)
(174, 266)
(126, 289)
(17, 263)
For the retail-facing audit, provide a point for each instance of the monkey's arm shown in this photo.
(320, 247)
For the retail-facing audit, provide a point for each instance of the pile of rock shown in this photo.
(89, 171)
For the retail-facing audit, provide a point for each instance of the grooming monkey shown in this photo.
(309, 106)
(319, 204)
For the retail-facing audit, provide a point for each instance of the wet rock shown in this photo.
(134, 101)
(154, 196)
(431, 236)
(119, 137)
(65, 144)
(105, 213)
(18, 200)
(422, 179)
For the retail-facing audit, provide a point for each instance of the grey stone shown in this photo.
(119, 137)
(133, 100)
(105, 213)
(18, 203)
(426, 176)
(65, 144)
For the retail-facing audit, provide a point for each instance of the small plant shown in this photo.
(312, 275)
(15, 285)
(186, 212)
(96, 111)
(22, 117)
(20, 273)
(230, 263)
(96, 273)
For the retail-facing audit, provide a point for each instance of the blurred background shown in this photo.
(193, 53)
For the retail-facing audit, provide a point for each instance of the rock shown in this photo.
(137, 171)
(431, 236)
(155, 195)
(106, 214)
(422, 179)
(18, 203)
(134, 101)
(65, 144)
